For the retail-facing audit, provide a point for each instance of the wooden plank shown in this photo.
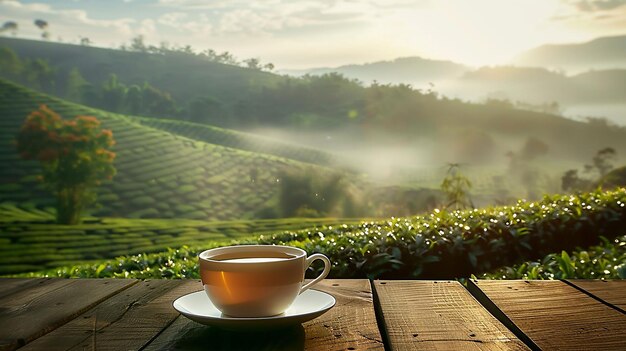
(46, 305)
(557, 316)
(126, 321)
(9, 286)
(188, 335)
(612, 292)
(350, 325)
(438, 315)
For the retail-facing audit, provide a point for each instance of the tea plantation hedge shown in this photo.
(440, 245)
(606, 261)
(30, 240)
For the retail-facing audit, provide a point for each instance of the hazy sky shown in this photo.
(312, 33)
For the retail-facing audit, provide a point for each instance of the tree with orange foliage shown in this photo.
(75, 156)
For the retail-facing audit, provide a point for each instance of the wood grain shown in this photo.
(49, 303)
(185, 334)
(439, 315)
(610, 291)
(9, 286)
(557, 316)
(350, 325)
(126, 321)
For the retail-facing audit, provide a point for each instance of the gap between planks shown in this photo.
(611, 293)
(490, 306)
(438, 315)
(555, 315)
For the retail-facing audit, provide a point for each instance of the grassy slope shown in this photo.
(29, 240)
(160, 174)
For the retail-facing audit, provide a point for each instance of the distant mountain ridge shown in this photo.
(407, 70)
(599, 53)
(538, 85)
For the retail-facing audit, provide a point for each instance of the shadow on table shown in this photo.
(208, 338)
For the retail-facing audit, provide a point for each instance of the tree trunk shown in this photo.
(69, 205)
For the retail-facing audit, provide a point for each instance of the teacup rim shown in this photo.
(301, 254)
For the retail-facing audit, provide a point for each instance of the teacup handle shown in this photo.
(310, 260)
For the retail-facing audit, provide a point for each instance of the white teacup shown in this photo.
(256, 280)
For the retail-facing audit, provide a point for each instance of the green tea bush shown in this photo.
(441, 245)
(605, 261)
(143, 201)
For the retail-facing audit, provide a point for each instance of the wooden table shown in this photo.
(120, 314)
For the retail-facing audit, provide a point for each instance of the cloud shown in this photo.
(68, 23)
(267, 16)
(147, 27)
(577, 11)
(598, 5)
(183, 23)
(173, 19)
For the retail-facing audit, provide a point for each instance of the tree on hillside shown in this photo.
(84, 41)
(601, 164)
(9, 26)
(90, 95)
(456, 188)
(226, 58)
(187, 49)
(74, 85)
(156, 102)
(164, 48)
(39, 74)
(533, 148)
(113, 94)
(133, 103)
(253, 63)
(43, 25)
(571, 181)
(10, 64)
(75, 156)
(602, 161)
(137, 44)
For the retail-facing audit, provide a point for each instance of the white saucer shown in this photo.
(308, 305)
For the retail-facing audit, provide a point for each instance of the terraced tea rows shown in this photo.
(160, 174)
(240, 140)
(29, 241)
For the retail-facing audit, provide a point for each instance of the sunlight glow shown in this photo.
(477, 32)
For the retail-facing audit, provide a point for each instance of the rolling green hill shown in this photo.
(183, 76)
(160, 174)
